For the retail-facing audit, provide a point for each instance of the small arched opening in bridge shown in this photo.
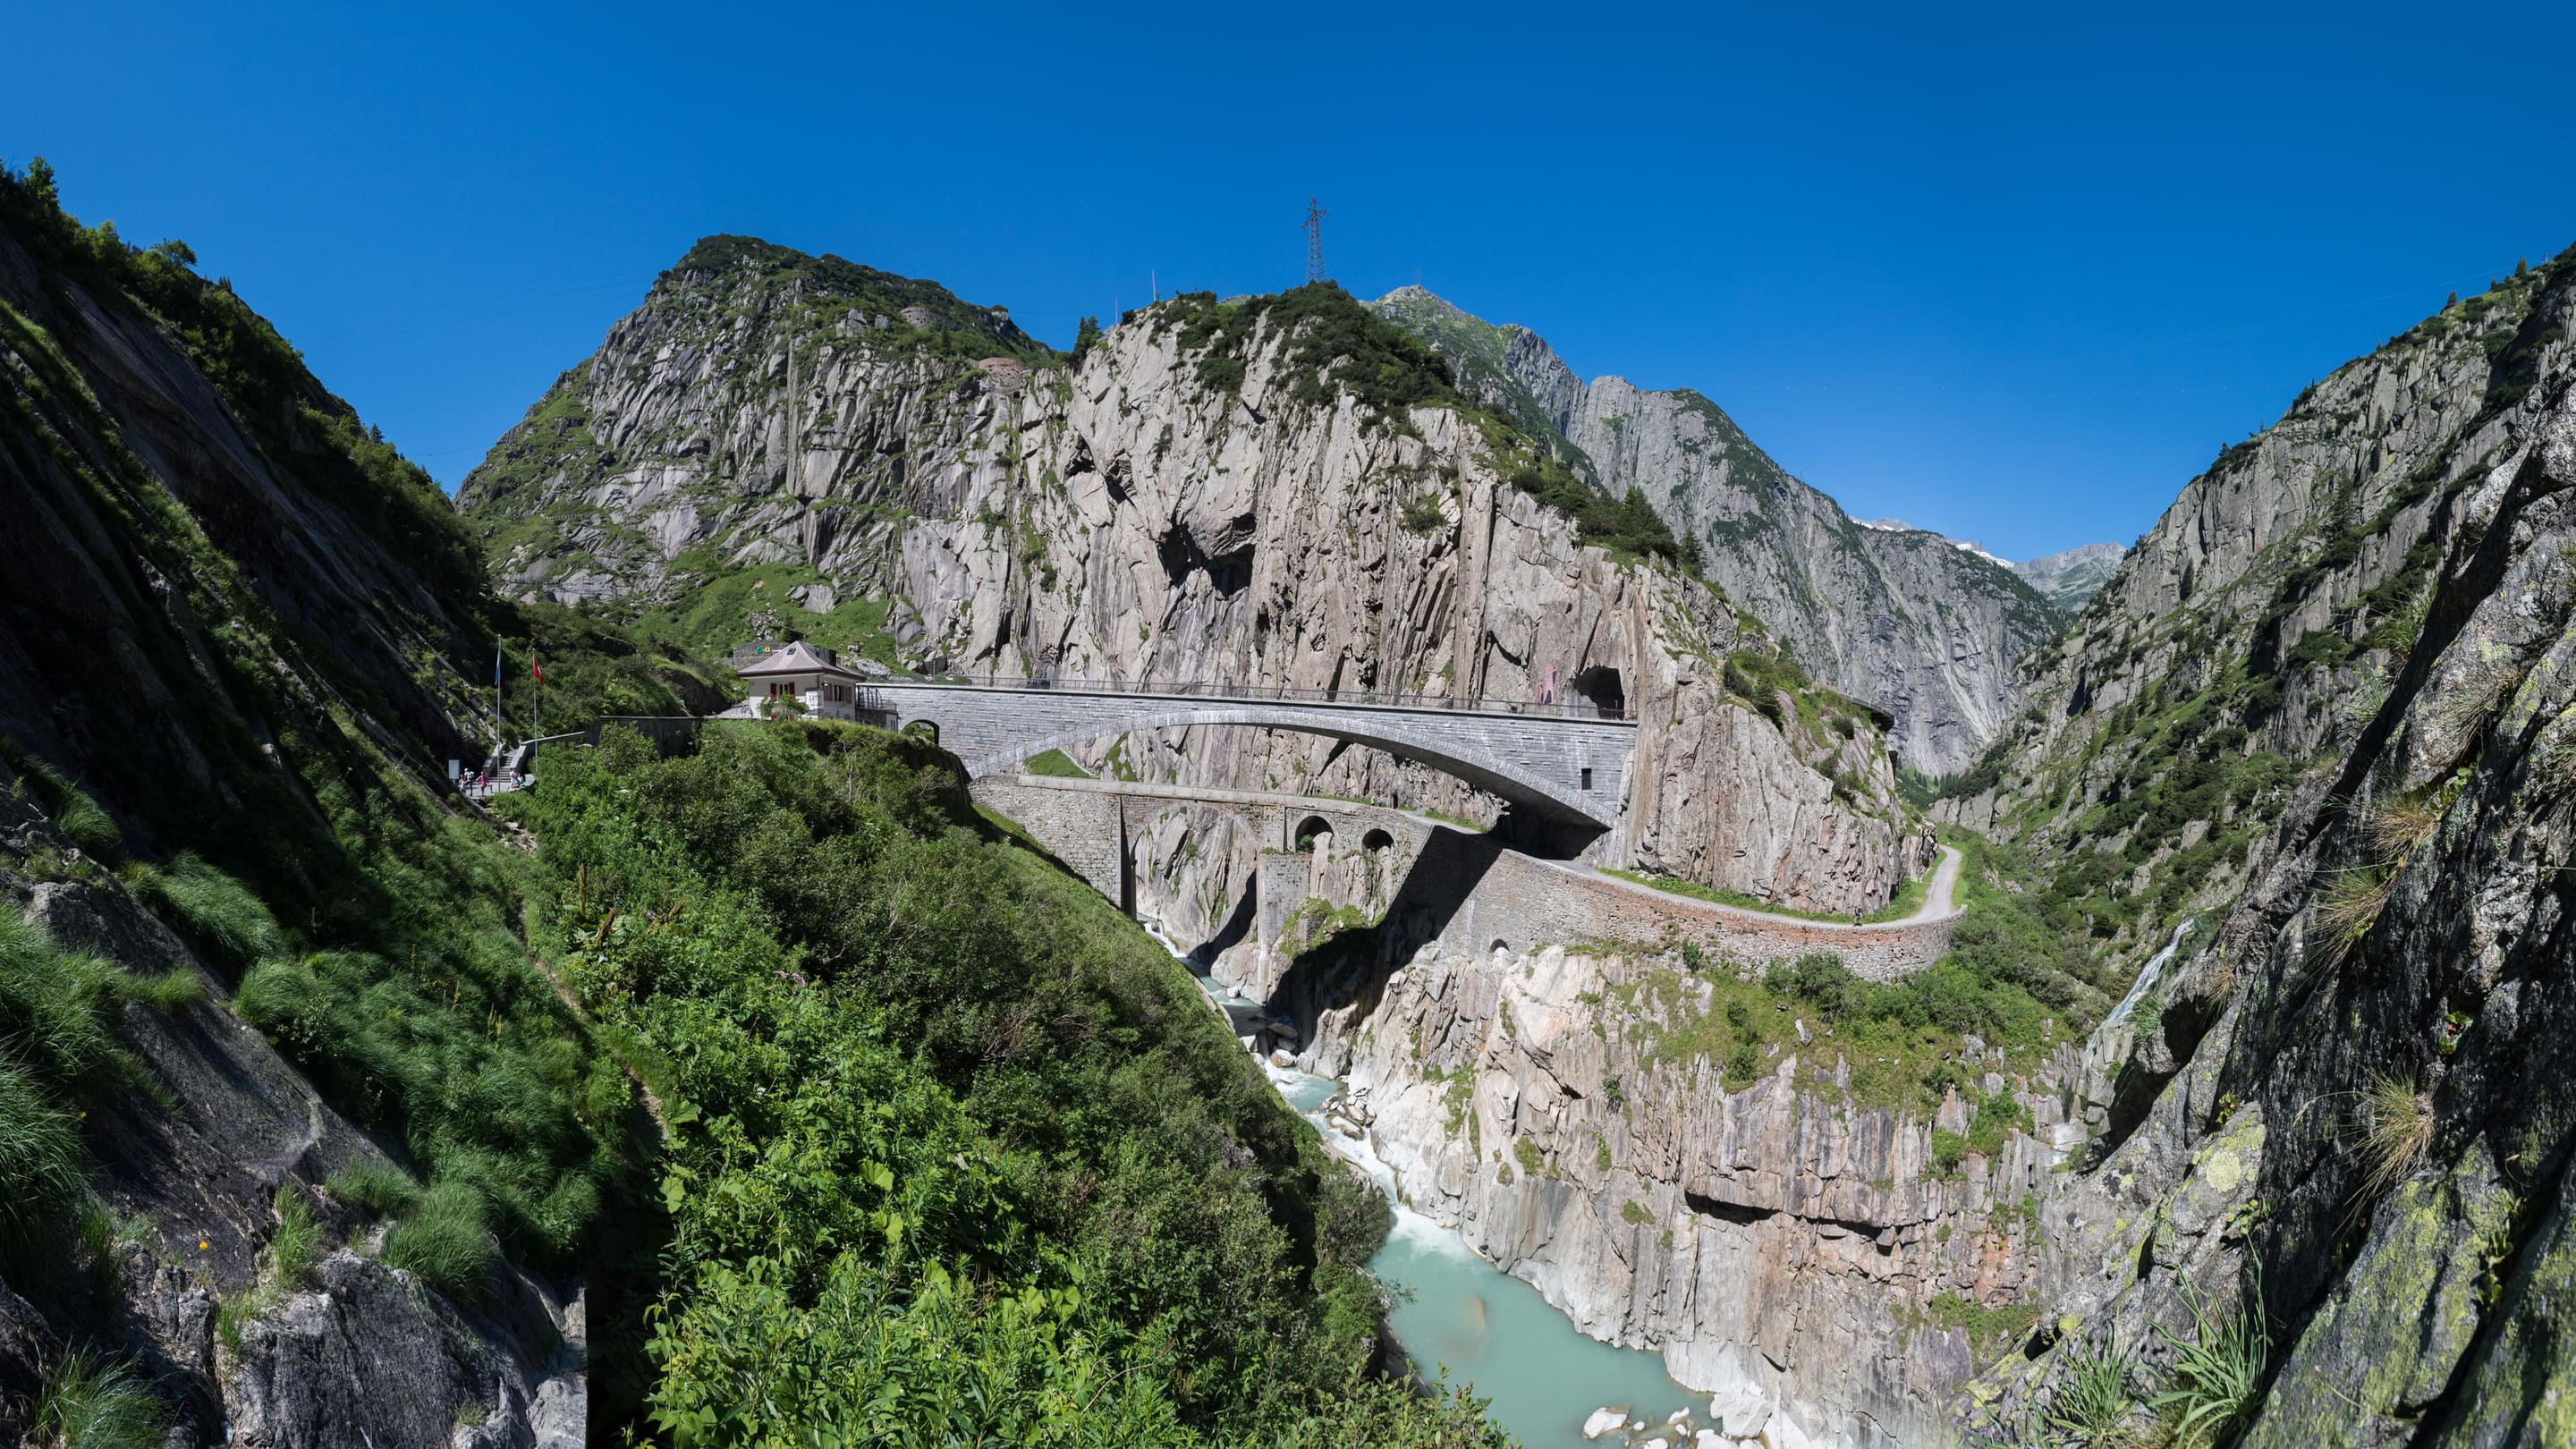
(1377, 852)
(1314, 833)
(1601, 688)
(1501, 950)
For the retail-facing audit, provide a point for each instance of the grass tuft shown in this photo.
(2398, 828)
(380, 1188)
(2396, 1129)
(81, 819)
(175, 990)
(2091, 1406)
(40, 1160)
(2350, 906)
(93, 1402)
(444, 1240)
(54, 1007)
(214, 911)
(2217, 1374)
(296, 1248)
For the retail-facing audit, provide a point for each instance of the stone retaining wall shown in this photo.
(1525, 905)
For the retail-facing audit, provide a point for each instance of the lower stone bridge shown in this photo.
(1461, 890)
(1564, 763)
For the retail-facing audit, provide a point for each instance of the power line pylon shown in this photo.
(1314, 229)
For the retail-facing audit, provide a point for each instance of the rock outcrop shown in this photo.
(1213, 495)
(1925, 628)
(2259, 627)
(1764, 1232)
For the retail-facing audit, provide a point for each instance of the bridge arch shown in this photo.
(1565, 769)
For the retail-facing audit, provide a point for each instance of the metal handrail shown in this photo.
(1479, 704)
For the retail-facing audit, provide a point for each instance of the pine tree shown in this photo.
(1085, 337)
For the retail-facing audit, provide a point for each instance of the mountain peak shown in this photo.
(886, 301)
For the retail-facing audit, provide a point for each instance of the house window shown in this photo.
(1587, 777)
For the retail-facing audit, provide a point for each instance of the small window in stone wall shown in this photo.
(1587, 777)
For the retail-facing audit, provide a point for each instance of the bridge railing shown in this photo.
(1480, 704)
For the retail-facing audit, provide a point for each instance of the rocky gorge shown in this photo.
(2227, 1110)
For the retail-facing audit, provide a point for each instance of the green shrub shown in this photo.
(939, 1117)
(92, 1402)
(444, 1240)
(1949, 1152)
(1997, 1114)
(215, 912)
(1990, 1330)
(1819, 979)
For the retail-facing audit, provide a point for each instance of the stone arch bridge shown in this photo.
(1566, 763)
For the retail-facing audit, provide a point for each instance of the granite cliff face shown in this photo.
(1906, 620)
(1784, 1245)
(2260, 626)
(1218, 492)
(2342, 1104)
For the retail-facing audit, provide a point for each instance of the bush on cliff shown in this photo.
(951, 1143)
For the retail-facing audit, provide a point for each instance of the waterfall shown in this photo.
(2146, 981)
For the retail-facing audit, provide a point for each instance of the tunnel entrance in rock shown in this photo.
(1601, 688)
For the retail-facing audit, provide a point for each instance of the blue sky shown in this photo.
(2015, 273)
